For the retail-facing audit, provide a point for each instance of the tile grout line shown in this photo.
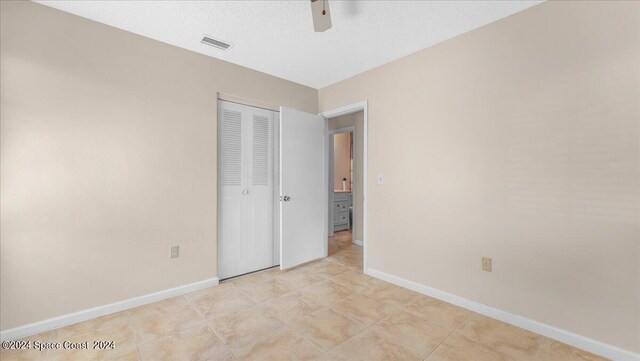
(440, 344)
(394, 341)
(206, 323)
(288, 326)
(424, 319)
(535, 357)
(162, 336)
(165, 336)
(357, 321)
(300, 291)
(133, 332)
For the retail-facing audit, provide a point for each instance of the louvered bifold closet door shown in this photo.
(246, 189)
(231, 248)
(260, 242)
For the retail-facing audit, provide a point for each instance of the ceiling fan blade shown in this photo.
(320, 22)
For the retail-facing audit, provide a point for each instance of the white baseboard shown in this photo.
(71, 318)
(357, 242)
(581, 342)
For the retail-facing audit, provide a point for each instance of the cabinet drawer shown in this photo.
(340, 227)
(342, 206)
(344, 196)
(341, 217)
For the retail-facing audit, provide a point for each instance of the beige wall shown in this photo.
(108, 156)
(342, 160)
(518, 141)
(356, 120)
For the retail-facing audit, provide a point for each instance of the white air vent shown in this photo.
(215, 43)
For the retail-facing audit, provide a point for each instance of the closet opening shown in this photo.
(248, 189)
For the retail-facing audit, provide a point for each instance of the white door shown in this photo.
(246, 189)
(303, 184)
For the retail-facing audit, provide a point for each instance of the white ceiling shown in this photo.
(277, 37)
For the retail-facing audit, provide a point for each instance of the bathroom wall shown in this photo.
(342, 160)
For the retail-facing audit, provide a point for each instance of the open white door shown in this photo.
(303, 195)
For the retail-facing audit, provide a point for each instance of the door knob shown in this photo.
(245, 191)
(286, 198)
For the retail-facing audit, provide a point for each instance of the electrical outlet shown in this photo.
(486, 264)
(175, 251)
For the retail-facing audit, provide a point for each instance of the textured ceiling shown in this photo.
(277, 37)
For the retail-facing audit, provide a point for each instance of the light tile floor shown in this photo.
(325, 310)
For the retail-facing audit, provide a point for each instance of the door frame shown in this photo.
(333, 113)
(332, 133)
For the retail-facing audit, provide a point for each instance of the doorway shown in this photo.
(345, 200)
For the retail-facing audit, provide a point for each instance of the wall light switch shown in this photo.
(380, 178)
(175, 251)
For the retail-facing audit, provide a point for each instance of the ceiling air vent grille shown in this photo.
(215, 43)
